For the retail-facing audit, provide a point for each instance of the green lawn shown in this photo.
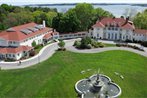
(56, 77)
(110, 45)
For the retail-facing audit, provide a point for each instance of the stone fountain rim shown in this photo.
(81, 93)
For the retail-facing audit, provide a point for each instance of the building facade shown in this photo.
(16, 42)
(119, 29)
(73, 35)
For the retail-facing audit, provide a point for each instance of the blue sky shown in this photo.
(21, 2)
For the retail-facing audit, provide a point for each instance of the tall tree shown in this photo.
(84, 13)
(140, 20)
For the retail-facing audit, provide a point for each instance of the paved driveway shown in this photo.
(49, 50)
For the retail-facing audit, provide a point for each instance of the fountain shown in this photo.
(97, 86)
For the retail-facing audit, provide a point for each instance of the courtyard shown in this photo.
(56, 77)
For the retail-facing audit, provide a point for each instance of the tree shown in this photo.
(61, 44)
(140, 20)
(56, 21)
(80, 18)
(50, 16)
(84, 13)
(34, 44)
(85, 42)
(15, 15)
(74, 22)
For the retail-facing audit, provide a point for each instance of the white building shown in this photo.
(73, 35)
(16, 42)
(117, 29)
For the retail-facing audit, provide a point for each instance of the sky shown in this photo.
(22, 2)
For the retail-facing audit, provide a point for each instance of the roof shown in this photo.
(140, 31)
(99, 24)
(55, 33)
(128, 26)
(120, 22)
(47, 36)
(16, 34)
(14, 50)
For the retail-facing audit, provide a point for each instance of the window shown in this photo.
(112, 36)
(120, 36)
(108, 35)
(112, 28)
(10, 42)
(115, 36)
(97, 35)
(127, 37)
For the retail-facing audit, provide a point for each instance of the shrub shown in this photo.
(144, 44)
(37, 46)
(32, 53)
(78, 44)
(89, 46)
(34, 44)
(95, 44)
(101, 45)
(75, 43)
(84, 42)
(61, 44)
(128, 41)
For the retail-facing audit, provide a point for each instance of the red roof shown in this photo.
(108, 21)
(47, 36)
(15, 50)
(120, 22)
(141, 31)
(55, 33)
(98, 24)
(17, 35)
(128, 26)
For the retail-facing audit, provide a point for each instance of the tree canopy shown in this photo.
(15, 15)
(80, 18)
(140, 20)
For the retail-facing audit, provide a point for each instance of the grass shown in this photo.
(56, 77)
(110, 45)
(38, 48)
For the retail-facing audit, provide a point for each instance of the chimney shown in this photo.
(127, 19)
(44, 23)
